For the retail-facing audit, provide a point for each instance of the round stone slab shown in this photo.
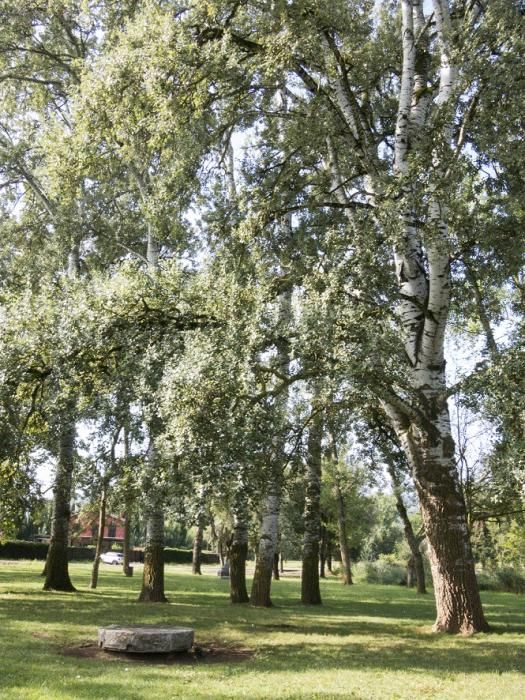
(145, 639)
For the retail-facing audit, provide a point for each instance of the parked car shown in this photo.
(112, 558)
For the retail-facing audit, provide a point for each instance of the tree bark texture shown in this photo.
(238, 556)
(56, 567)
(322, 553)
(100, 536)
(329, 545)
(153, 571)
(196, 558)
(262, 579)
(127, 568)
(346, 567)
(268, 542)
(422, 424)
(310, 589)
(276, 566)
(443, 511)
(153, 575)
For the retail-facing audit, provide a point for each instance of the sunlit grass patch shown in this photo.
(365, 641)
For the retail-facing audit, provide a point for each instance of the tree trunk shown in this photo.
(415, 568)
(153, 575)
(100, 536)
(413, 543)
(238, 555)
(322, 553)
(411, 572)
(456, 589)
(444, 517)
(262, 579)
(127, 568)
(153, 571)
(422, 423)
(197, 547)
(56, 567)
(196, 560)
(310, 590)
(276, 566)
(329, 553)
(346, 567)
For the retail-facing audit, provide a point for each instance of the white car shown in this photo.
(112, 558)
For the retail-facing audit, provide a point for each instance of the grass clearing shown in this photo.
(365, 642)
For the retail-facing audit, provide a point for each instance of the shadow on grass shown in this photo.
(359, 628)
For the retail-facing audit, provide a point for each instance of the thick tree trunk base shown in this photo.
(261, 585)
(276, 566)
(94, 575)
(420, 575)
(467, 628)
(310, 590)
(431, 457)
(153, 576)
(238, 590)
(460, 614)
(346, 579)
(197, 550)
(56, 570)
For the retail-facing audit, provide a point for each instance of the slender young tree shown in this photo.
(56, 570)
(239, 545)
(196, 558)
(344, 549)
(310, 590)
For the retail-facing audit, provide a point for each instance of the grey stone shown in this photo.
(145, 639)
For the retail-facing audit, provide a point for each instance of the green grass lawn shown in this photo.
(366, 641)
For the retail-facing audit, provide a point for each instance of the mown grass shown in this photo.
(366, 641)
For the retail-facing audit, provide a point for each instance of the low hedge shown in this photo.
(20, 549)
(172, 555)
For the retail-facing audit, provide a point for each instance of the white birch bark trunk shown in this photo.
(260, 593)
(153, 571)
(424, 289)
(267, 547)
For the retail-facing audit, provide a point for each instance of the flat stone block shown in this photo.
(145, 639)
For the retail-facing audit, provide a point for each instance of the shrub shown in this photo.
(511, 580)
(504, 580)
(384, 571)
